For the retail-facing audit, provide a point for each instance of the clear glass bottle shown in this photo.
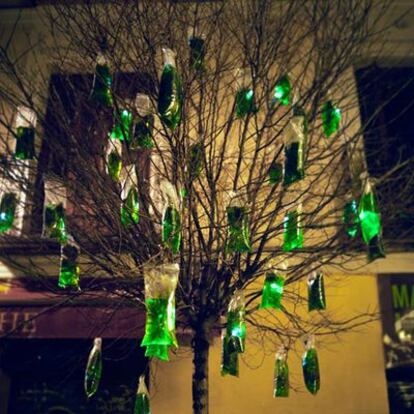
(144, 123)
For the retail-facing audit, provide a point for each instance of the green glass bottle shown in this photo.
(171, 229)
(282, 92)
(142, 404)
(275, 173)
(55, 222)
(331, 118)
(142, 137)
(170, 99)
(156, 327)
(370, 221)
(294, 138)
(281, 375)
(292, 231)
(197, 51)
(8, 206)
(272, 291)
(236, 324)
(122, 126)
(350, 218)
(157, 351)
(229, 358)
(93, 370)
(195, 162)
(310, 366)
(130, 208)
(244, 104)
(316, 292)
(114, 159)
(102, 83)
(69, 272)
(238, 222)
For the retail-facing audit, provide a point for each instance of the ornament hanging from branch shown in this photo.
(316, 292)
(121, 129)
(229, 357)
(142, 403)
(170, 99)
(350, 218)
(245, 95)
(310, 366)
(282, 92)
(236, 324)
(102, 82)
(272, 290)
(238, 222)
(196, 42)
(171, 220)
(69, 272)
(142, 136)
(93, 370)
(281, 375)
(129, 196)
(114, 159)
(293, 230)
(331, 118)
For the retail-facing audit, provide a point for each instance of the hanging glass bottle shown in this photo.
(102, 82)
(69, 269)
(8, 205)
(229, 357)
(160, 284)
(195, 161)
(170, 99)
(245, 95)
(114, 159)
(316, 292)
(93, 370)
(129, 196)
(236, 324)
(54, 217)
(144, 123)
(196, 43)
(350, 218)
(171, 220)
(281, 375)
(293, 230)
(294, 145)
(25, 125)
(238, 222)
(142, 403)
(272, 290)
(370, 220)
(122, 126)
(310, 366)
(331, 118)
(282, 92)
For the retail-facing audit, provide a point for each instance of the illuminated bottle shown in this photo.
(8, 205)
(171, 220)
(157, 351)
(282, 92)
(197, 50)
(245, 95)
(160, 284)
(293, 230)
(238, 222)
(331, 118)
(281, 375)
(69, 272)
(170, 99)
(142, 404)
(294, 137)
(350, 218)
(370, 220)
(144, 123)
(316, 292)
(102, 82)
(272, 290)
(129, 196)
(122, 125)
(229, 357)
(236, 324)
(25, 133)
(114, 159)
(93, 370)
(54, 216)
(310, 366)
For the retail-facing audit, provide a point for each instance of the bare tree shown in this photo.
(245, 149)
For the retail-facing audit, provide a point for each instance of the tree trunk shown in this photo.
(200, 375)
